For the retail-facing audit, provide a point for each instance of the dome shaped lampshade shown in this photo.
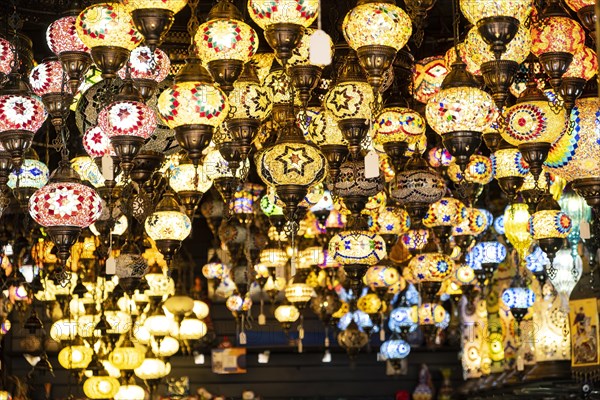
(6, 56)
(392, 221)
(47, 77)
(298, 12)
(193, 103)
(32, 174)
(571, 156)
(545, 32)
(394, 349)
(403, 319)
(108, 31)
(429, 73)
(143, 64)
(379, 276)
(416, 188)
(518, 297)
(96, 143)
(488, 253)
(475, 10)
(324, 130)
(299, 293)
(214, 270)
(131, 265)
(127, 118)
(432, 314)
(464, 274)
(584, 64)
(301, 54)
(398, 124)
(479, 170)
(351, 181)
(349, 100)
(185, 178)
(249, 99)
(415, 239)
(357, 247)
(130, 392)
(65, 204)
(431, 267)
(225, 39)
(101, 387)
(171, 5)
(287, 313)
(61, 36)
(192, 329)
(447, 211)
(550, 224)
(473, 224)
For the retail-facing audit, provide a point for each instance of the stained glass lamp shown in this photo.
(168, 226)
(443, 215)
(194, 106)
(376, 42)
(556, 55)
(64, 207)
(283, 22)
(549, 226)
(225, 43)
(153, 18)
(147, 69)
(583, 67)
(403, 319)
(190, 183)
(518, 297)
(108, 31)
(101, 386)
(510, 169)
(46, 81)
(394, 350)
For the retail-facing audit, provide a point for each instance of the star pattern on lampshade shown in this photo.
(294, 160)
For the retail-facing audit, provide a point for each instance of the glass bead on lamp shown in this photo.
(108, 31)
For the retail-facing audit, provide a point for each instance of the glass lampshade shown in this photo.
(193, 103)
(186, 177)
(545, 32)
(65, 203)
(273, 257)
(475, 10)
(269, 207)
(518, 297)
(298, 293)
(464, 274)
(473, 224)
(488, 253)
(61, 36)
(351, 180)
(159, 325)
(447, 211)
(509, 163)
(572, 155)
(381, 276)
(418, 186)
(460, 108)
(215, 270)
(516, 225)
(415, 239)
(143, 64)
(127, 357)
(477, 51)
(291, 163)
(428, 75)
(96, 143)
(392, 221)
(200, 309)
(63, 330)
(47, 77)
(298, 12)
(225, 39)
(192, 329)
(349, 100)
(537, 260)
(324, 129)
(167, 346)
(152, 368)
(533, 121)
(107, 24)
(172, 5)
(127, 118)
(33, 174)
(21, 112)
(168, 225)
(287, 313)
(249, 100)
(549, 224)
(584, 64)
(432, 314)
(398, 124)
(403, 318)
(577, 5)
(88, 170)
(369, 303)
(101, 387)
(75, 356)
(394, 349)
(431, 267)
(568, 266)
(357, 247)
(381, 24)
(130, 392)
(479, 170)
(311, 256)
(217, 167)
